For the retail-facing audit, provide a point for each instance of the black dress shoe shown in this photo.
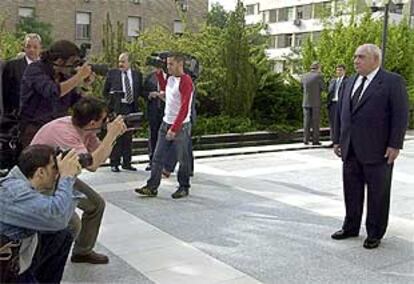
(115, 169)
(341, 235)
(371, 243)
(148, 168)
(316, 143)
(129, 168)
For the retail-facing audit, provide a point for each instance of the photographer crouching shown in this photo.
(78, 132)
(34, 241)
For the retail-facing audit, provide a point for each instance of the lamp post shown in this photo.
(386, 8)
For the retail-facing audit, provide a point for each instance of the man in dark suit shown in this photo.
(122, 88)
(313, 85)
(369, 132)
(13, 73)
(335, 89)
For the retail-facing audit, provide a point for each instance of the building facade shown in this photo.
(291, 22)
(82, 20)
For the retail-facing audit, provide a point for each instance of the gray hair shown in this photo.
(373, 50)
(31, 36)
(124, 54)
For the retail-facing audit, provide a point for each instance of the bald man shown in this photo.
(122, 88)
(371, 121)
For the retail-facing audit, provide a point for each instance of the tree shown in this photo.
(217, 16)
(10, 44)
(239, 80)
(33, 25)
(113, 41)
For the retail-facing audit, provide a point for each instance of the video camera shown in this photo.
(98, 69)
(132, 120)
(191, 65)
(85, 159)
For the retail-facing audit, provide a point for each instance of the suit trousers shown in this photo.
(86, 230)
(378, 178)
(123, 145)
(311, 119)
(332, 109)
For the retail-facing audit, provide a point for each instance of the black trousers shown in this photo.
(378, 178)
(332, 114)
(123, 146)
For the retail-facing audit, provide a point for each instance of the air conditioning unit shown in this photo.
(297, 22)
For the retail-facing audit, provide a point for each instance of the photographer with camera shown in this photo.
(34, 241)
(175, 129)
(122, 88)
(78, 132)
(48, 87)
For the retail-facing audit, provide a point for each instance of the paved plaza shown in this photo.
(258, 218)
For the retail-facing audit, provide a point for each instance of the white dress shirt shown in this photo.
(129, 73)
(358, 82)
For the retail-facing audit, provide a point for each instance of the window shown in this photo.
(284, 40)
(323, 9)
(134, 26)
(282, 15)
(307, 12)
(178, 27)
(272, 42)
(83, 25)
(250, 10)
(273, 16)
(26, 12)
(299, 12)
(300, 39)
(290, 14)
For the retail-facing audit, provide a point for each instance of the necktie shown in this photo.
(357, 94)
(128, 90)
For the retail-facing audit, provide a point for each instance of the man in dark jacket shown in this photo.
(122, 88)
(369, 133)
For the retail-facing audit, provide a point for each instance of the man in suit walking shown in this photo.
(13, 72)
(335, 89)
(369, 133)
(122, 88)
(313, 85)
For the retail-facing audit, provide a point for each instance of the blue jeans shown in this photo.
(180, 143)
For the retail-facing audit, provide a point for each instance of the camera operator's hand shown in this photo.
(116, 128)
(90, 79)
(170, 135)
(84, 71)
(153, 95)
(69, 166)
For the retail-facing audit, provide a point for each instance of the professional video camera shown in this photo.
(132, 120)
(191, 65)
(98, 69)
(85, 159)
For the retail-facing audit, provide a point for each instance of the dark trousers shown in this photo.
(332, 109)
(50, 258)
(123, 145)
(377, 177)
(163, 147)
(311, 119)
(122, 149)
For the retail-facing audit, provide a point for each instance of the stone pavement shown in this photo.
(257, 218)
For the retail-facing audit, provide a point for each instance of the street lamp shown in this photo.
(385, 6)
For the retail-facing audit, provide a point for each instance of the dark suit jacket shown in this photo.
(379, 120)
(313, 85)
(113, 83)
(12, 77)
(155, 105)
(332, 87)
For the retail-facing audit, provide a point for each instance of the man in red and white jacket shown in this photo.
(175, 129)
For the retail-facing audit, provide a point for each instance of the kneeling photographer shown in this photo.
(34, 240)
(79, 132)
